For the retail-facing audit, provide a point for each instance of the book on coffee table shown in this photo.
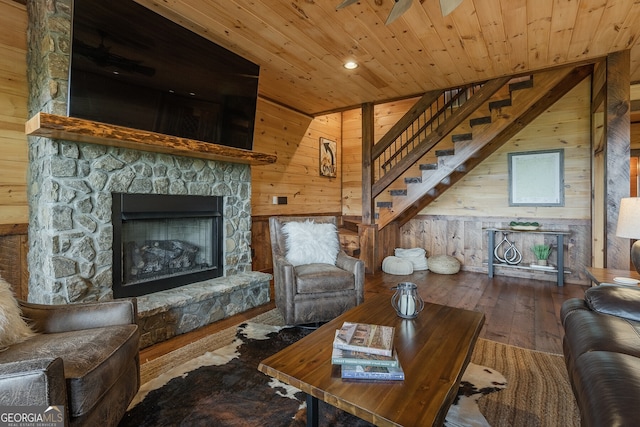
(350, 357)
(372, 372)
(366, 338)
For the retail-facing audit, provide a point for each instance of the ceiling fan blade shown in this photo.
(447, 6)
(345, 3)
(400, 7)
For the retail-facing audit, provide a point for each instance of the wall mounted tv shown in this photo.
(132, 67)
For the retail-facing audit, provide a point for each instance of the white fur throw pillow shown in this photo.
(13, 328)
(309, 242)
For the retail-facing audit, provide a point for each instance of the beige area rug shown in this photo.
(538, 391)
(156, 367)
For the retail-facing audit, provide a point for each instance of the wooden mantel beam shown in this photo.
(87, 131)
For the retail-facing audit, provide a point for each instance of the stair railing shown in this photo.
(392, 148)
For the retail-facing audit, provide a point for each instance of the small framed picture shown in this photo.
(536, 178)
(328, 158)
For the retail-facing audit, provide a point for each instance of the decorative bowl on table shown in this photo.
(524, 226)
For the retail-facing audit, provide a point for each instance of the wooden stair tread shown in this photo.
(349, 241)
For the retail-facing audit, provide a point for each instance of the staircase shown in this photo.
(348, 234)
(448, 133)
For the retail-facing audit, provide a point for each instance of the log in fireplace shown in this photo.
(165, 241)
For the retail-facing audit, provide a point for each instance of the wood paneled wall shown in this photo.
(633, 171)
(295, 139)
(454, 224)
(13, 113)
(385, 116)
(352, 162)
(481, 199)
(617, 143)
(14, 246)
(14, 211)
(635, 136)
(484, 192)
(464, 237)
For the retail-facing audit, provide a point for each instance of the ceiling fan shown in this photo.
(401, 6)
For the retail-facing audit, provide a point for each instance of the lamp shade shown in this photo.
(629, 218)
(629, 226)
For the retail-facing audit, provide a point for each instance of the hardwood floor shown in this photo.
(520, 312)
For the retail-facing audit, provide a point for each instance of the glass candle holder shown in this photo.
(406, 300)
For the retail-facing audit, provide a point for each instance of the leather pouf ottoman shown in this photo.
(396, 265)
(444, 264)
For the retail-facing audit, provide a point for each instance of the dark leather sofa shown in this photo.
(84, 357)
(602, 353)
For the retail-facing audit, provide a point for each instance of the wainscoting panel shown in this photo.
(466, 239)
(14, 245)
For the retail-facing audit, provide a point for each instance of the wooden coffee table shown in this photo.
(434, 350)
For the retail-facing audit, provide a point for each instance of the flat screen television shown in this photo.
(132, 67)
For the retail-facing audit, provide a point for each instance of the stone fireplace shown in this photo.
(71, 188)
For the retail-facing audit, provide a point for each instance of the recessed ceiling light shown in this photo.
(350, 65)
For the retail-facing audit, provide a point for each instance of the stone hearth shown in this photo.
(70, 186)
(163, 315)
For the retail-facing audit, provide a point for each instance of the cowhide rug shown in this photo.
(225, 388)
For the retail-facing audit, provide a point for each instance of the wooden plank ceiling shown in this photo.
(301, 45)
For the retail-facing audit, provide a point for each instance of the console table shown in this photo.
(559, 270)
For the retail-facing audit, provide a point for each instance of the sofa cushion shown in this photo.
(570, 306)
(614, 300)
(308, 242)
(606, 385)
(588, 331)
(114, 404)
(313, 278)
(13, 328)
(94, 359)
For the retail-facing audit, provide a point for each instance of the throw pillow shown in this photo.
(309, 242)
(614, 300)
(13, 328)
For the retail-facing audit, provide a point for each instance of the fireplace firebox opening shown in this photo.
(165, 241)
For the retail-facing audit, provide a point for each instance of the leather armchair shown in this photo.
(85, 357)
(313, 293)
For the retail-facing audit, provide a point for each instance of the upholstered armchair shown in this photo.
(83, 356)
(314, 279)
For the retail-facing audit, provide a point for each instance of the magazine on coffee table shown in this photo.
(372, 372)
(350, 357)
(366, 338)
